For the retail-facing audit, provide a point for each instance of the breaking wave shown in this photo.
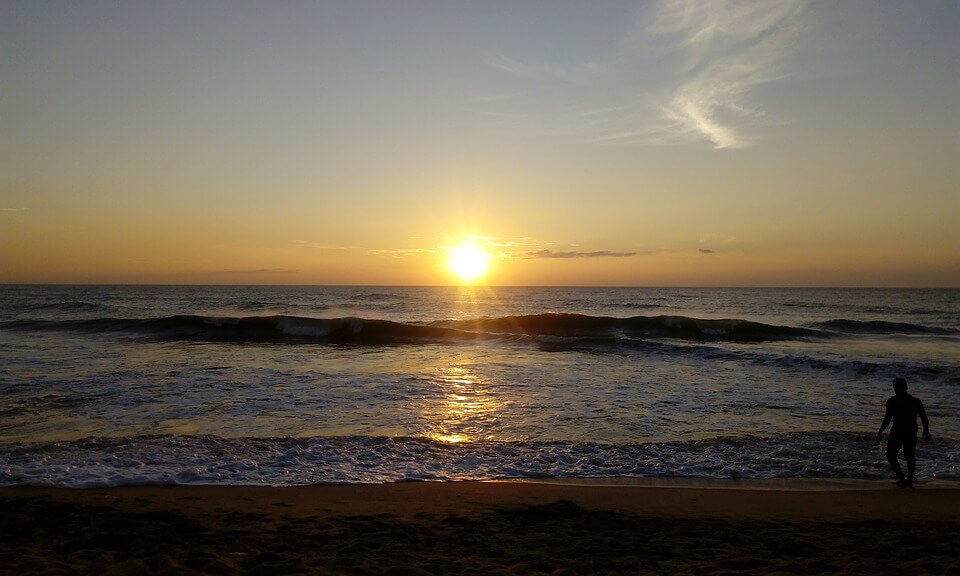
(666, 336)
(138, 460)
(351, 330)
(371, 331)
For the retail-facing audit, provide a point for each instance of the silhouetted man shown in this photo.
(903, 409)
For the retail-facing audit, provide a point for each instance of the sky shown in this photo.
(641, 143)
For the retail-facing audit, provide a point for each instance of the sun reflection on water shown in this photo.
(466, 411)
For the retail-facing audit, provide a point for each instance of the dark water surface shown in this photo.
(112, 385)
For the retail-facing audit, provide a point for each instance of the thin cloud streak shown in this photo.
(598, 254)
(252, 271)
(500, 247)
(320, 245)
(404, 252)
(579, 71)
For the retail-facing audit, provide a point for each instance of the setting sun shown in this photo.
(467, 261)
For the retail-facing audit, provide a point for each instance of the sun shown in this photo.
(467, 261)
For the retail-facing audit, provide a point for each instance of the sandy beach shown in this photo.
(484, 528)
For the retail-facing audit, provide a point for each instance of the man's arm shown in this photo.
(923, 420)
(886, 420)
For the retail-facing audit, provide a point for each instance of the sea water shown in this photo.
(120, 385)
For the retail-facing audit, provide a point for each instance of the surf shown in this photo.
(362, 331)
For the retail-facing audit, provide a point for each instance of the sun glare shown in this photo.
(467, 261)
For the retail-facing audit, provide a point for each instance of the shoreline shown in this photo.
(785, 499)
(807, 484)
(781, 484)
(504, 527)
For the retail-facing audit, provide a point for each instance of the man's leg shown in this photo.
(910, 453)
(893, 446)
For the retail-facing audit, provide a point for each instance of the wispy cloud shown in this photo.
(727, 48)
(254, 271)
(404, 252)
(515, 242)
(508, 248)
(598, 254)
(568, 72)
(319, 245)
(686, 71)
(13, 209)
(499, 247)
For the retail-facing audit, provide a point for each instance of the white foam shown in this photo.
(213, 460)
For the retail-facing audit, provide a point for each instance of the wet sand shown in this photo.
(608, 527)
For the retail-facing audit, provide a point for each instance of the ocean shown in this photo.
(132, 385)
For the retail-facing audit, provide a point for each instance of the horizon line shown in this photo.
(489, 286)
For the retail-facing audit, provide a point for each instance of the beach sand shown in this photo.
(707, 527)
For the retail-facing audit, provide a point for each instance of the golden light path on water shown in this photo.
(467, 408)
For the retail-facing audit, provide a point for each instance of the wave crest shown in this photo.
(681, 327)
(362, 331)
(881, 327)
(550, 329)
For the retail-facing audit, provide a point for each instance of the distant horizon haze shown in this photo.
(489, 287)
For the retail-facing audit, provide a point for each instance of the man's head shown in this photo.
(899, 385)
